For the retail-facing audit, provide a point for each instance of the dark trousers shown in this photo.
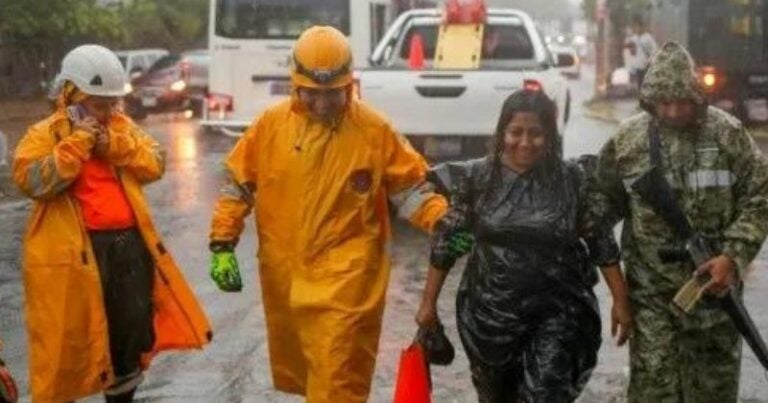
(555, 361)
(496, 385)
(127, 273)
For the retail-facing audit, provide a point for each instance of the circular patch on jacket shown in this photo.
(361, 180)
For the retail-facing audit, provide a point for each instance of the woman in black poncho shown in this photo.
(526, 312)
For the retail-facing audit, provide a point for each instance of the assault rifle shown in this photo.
(654, 189)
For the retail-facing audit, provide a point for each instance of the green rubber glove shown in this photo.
(225, 272)
(460, 243)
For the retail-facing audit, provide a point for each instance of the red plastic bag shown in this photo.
(8, 391)
(413, 379)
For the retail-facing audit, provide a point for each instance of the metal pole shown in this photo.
(3, 150)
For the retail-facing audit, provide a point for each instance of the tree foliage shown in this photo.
(173, 24)
(42, 22)
(170, 23)
(35, 34)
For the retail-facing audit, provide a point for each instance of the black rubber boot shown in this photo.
(126, 397)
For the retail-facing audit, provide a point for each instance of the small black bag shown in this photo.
(438, 348)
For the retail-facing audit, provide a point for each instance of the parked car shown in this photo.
(138, 61)
(176, 82)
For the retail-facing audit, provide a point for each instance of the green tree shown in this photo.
(36, 33)
(42, 21)
(172, 24)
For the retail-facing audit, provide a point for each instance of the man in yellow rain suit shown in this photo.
(318, 170)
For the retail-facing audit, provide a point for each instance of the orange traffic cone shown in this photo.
(416, 53)
(413, 378)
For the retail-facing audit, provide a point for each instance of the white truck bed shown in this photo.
(457, 107)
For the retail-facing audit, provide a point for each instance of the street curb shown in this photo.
(759, 132)
(599, 110)
(601, 117)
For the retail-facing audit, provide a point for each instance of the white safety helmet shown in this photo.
(95, 70)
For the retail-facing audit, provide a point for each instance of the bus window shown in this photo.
(278, 19)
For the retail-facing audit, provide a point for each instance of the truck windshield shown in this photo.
(278, 19)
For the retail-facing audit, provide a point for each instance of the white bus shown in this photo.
(251, 42)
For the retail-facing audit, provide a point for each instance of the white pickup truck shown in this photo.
(452, 113)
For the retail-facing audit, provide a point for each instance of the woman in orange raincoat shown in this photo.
(318, 170)
(102, 293)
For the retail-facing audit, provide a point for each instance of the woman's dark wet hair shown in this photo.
(540, 104)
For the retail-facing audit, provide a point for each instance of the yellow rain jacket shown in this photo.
(320, 198)
(66, 321)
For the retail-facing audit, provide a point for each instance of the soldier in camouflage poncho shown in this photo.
(720, 179)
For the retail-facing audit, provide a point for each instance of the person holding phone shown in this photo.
(102, 293)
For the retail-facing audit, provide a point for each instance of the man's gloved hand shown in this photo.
(225, 272)
(460, 243)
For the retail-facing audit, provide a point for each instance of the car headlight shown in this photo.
(178, 86)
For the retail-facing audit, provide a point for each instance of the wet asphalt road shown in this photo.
(234, 368)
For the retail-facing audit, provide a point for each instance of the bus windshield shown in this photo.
(278, 19)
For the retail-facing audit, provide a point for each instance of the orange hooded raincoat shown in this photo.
(66, 322)
(320, 195)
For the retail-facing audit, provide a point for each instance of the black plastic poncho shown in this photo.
(533, 266)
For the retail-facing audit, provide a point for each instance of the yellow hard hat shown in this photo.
(322, 58)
